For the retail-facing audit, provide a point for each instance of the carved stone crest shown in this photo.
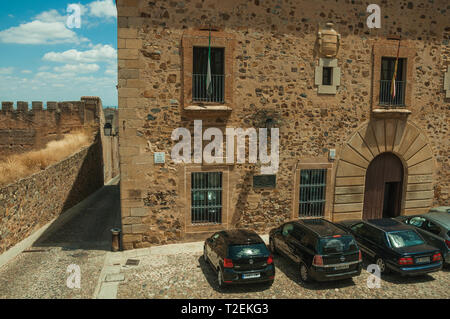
(329, 41)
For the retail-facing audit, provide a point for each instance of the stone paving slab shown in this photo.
(179, 271)
(43, 275)
(186, 275)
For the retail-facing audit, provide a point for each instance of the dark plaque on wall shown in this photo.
(264, 181)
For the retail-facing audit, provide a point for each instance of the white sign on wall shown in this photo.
(159, 158)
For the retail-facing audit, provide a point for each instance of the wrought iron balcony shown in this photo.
(386, 98)
(199, 92)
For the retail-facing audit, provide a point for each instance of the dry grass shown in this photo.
(19, 166)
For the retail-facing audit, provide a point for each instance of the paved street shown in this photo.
(182, 273)
(173, 271)
(84, 240)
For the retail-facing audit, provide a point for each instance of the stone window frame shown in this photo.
(447, 83)
(189, 227)
(200, 38)
(329, 192)
(336, 76)
(389, 48)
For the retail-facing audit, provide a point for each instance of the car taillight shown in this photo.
(437, 257)
(227, 263)
(270, 260)
(448, 243)
(360, 256)
(318, 260)
(406, 261)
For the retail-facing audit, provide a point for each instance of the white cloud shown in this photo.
(50, 16)
(77, 68)
(26, 72)
(6, 71)
(102, 8)
(111, 70)
(39, 32)
(99, 53)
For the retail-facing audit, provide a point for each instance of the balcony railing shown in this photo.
(386, 98)
(199, 93)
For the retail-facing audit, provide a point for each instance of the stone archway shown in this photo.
(397, 136)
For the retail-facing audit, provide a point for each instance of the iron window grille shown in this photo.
(200, 71)
(312, 192)
(387, 73)
(206, 198)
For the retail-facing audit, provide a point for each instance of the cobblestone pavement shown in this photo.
(172, 271)
(42, 274)
(186, 275)
(84, 240)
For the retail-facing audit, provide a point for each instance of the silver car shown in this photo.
(442, 209)
(434, 228)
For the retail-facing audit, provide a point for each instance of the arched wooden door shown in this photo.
(383, 190)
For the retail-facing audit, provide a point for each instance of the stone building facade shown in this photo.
(347, 148)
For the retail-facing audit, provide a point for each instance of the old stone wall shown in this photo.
(111, 157)
(23, 129)
(29, 204)
(274, 62)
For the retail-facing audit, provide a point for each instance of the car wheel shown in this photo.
(304, 273)
(220, 279)
(382, 265)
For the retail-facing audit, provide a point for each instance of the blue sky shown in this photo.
(42, 59)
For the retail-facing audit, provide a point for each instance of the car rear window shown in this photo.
(337, 245)
(244, 251)
(405, 238)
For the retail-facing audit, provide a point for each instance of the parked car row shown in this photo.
(325, 251)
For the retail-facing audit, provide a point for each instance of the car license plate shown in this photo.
(251, 276)
(423, 260)
(341, 267)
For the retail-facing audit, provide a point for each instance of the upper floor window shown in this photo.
(392, 91)
(205, 89)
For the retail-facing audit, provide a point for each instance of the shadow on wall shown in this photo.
(90, 176)
(33, 202)
(86, 221)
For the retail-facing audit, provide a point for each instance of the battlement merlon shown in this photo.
(36, 106)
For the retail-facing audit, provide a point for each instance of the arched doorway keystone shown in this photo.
(400, 138)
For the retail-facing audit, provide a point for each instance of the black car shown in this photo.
(239, 256)
(395, 246)
(323, 251)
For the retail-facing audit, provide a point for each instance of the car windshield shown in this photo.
(337, 245)
(243, 251)
(405, 238)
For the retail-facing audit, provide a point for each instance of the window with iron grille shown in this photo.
(312, 192)
(387, 73)
(206, 198)
(200, 72)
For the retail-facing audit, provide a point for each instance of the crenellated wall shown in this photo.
(24, 127)
(32, 202)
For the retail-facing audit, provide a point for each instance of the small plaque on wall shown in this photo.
(264, 181)
(159, 158)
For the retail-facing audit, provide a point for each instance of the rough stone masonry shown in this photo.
(270, 60)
